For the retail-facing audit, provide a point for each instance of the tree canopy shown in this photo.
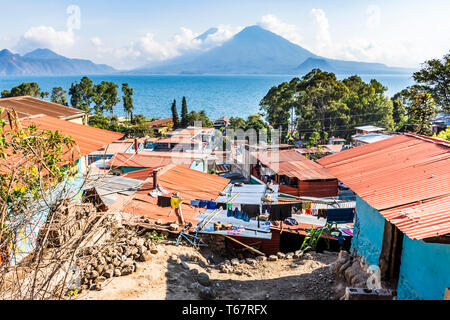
(434, 78)
(326, 105)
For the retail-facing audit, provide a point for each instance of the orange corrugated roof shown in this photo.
(28, 106)
(160, 121)
(88, 139)
(399, 173)
(148, 160)
(293, 164)
(190, 184)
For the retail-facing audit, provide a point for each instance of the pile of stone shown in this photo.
(114, 259)
(232, 266)
(351, 270)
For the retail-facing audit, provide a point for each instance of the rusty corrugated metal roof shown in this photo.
(293, 164)
(88, 139)
(399, 173)
(190, 184)
(28, 106)
(148, 160)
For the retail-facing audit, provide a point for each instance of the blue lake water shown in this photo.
(228, 95)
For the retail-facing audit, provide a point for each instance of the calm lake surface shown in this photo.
(227, 95)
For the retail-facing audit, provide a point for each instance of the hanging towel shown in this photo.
(252, 210)
(203, 203)
(280, 212)
(345, 215)
(266, 208)
(221, 205)
(175, 202)
(211, 205)
(164, 202)
(195, 203)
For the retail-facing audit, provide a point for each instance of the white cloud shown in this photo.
(46, 37)
(289, 31)
(323, 40)
(373, 13)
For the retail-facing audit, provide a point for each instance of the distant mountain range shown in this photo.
(46, 62)
(254, 50)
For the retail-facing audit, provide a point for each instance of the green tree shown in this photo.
(236, 123)
(201, 116)
(184, 113)
(434, 78)
(444, 134)
(44, 94)
(176, 119)
(33, 162)
(420, 112)
(110, 96)
(25, 89)
(81, 94)
(59, 95)
(139, 119)
(128, 100)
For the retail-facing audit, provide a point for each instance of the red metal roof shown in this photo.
(400, 173)
(28, 106)
(88, 139)
(155, 123)
(190, 184)
(148, 160)
(293, 164)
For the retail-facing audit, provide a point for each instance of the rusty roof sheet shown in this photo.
(28, 106)
(293, 164)
(400, 172)
(148, 160)
(87, 138)
(190, 184)
(158, 122)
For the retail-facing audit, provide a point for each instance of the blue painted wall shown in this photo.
(424, 271)
(368, 232)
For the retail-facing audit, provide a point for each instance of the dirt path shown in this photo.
(172, 273)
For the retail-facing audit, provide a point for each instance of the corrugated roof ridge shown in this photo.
(40, 101)
(429, 139)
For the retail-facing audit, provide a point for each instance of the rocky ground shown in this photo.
(182, 272)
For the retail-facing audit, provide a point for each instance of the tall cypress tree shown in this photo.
(176, 119)
(184, 114)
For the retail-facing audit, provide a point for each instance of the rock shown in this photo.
(173, 227)
(344, 267)
(281, 255)
(207, 293)
(96, 286)
(126, 263)
(108, 273)
(251, 261)
(261, 258)
(174, 257)
(234, 262)
(184, 265)
(128, 270)
(289, 255)
(344, 254)
(242, 261)
(117, 272)
(227, 262)
(194, 271)
(159, 222)
(272, 258)
(100, 269)
(116, 262)
(203, 279)
(141, 249)
(338, 264)
(154, 250)
(94, 274)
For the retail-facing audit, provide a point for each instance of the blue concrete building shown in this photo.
(402, 224)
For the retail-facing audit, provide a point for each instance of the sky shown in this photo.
(132, 33)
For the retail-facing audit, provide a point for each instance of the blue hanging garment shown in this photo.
(211, 205)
